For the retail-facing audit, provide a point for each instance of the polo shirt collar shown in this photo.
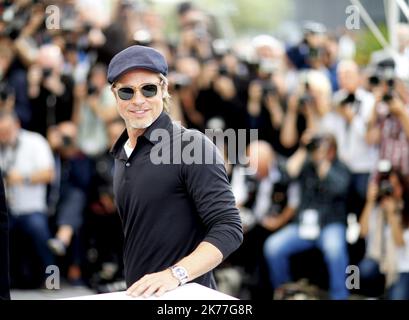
(162, 122)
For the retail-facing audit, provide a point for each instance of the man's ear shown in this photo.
(114, 92)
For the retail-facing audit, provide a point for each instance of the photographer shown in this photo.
(27, 164)
(184, 86)
(267, 201)
(96, 109)
(50, 92)
(306, 107)
(264, 111)
(195, 38)
(68, 194)
(13, 79)
(309, 52)
(217, 99)
(384, 224)
(320, 217)
(353, 107)
(388, 126)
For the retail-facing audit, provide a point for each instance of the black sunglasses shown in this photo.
(147, 90)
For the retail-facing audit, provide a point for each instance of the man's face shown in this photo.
(139, 112)
(348, 78)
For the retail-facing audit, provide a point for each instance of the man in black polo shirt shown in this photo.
(179, 217)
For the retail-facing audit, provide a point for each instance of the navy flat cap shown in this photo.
(136, 57)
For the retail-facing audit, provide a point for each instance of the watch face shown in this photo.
(180, 272)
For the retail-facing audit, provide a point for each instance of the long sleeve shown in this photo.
(211, 192)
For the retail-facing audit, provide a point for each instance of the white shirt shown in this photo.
(263, 198)
(359, 156)
(128, 149)
(31, 154)
(402, 253)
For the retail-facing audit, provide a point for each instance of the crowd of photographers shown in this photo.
(329, 187)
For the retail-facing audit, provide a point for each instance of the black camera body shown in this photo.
(91, 90)
(223, 71)
(306, 98)
(314, 144)
(67, 141)
(269, 88)
(385, 188)
(315, 52)
(47, 72)
(349, 99)
(385, 73)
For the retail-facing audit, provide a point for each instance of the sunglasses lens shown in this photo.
(149, 90)
(125, 93)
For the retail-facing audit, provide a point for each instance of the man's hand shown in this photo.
(14, 178)
(155, 283)
(271, 223)
(372, 192)
(323, 168)
(396, 107)
(388, 204)
(53, 83)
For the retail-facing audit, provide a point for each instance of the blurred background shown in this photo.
(325, 83)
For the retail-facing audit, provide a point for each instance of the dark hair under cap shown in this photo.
(136, 57)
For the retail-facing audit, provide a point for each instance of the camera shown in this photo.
(180, 80)
(349, 99)
(314, 144)
(306, 98)
(267, 67)
(220, 47)
(92, 89)
(47, 72)
(384, 73)
(223, 71)
(268, 88)
(14, 19)
(67, 141)
(315, 53)
(384, 185)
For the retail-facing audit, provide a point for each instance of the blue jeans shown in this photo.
(70, 209)
(279, 247)
(400, 289)
(369, 271)
(35, 225)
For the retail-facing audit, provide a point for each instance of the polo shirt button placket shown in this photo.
(128, 164)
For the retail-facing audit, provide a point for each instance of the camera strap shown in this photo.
(8, 156)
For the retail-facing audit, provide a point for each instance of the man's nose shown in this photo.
(138, 98)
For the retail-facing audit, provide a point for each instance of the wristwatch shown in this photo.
(179, 273)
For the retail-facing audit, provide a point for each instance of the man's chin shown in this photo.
(139, 125)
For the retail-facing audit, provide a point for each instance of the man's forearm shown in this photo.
(288, 133)
(295, 163)
(42, 176)
(202, 260)
(404, 120)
